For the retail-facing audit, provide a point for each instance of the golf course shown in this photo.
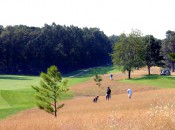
(151, 106)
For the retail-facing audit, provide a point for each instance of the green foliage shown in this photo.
(75, 47)
(168, 47)
(171, 56)
(97, 79)
(129, 52)
(51, 88)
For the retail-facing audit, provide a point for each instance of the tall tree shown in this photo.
(168, 47)
(129, 52)
(50, 90)
(153, 52)
(113, 39)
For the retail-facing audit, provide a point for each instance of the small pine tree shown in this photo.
(97, 79)
(50, 90)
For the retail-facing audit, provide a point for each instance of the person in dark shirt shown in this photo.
(108, 93)
(95, 99)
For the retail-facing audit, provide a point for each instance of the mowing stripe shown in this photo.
(3, 102)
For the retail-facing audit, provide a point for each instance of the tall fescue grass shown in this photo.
(150, 110)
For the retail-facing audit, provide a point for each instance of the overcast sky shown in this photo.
(111, 16)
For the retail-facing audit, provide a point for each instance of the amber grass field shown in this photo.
(150, 108)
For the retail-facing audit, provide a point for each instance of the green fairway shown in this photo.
(16, 93)
(154, 80)
(9, 111)
(12, 82)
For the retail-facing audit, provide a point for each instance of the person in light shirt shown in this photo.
(129, 91)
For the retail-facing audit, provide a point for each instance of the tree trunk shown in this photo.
(55, 107)
(149, 71)
(129, 74)
(172, 66)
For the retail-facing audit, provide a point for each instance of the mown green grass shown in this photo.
(14, 82)
(16, 93)
(9, 111)
(154, 80)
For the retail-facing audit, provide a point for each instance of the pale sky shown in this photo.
(111, 16)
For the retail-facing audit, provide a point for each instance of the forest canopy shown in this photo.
(30, 50)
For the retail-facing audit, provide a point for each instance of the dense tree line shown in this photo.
(30, 50)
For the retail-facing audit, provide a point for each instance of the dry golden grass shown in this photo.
(147, 110)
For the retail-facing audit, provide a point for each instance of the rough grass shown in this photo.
(149, 110)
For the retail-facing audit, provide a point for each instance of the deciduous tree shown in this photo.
(153, 52)
(129, 52)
